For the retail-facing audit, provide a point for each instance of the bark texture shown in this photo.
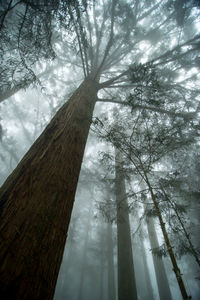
(37, 199)
(126, 276)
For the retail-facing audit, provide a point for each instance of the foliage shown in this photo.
(27, 36)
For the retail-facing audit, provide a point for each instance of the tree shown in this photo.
(39, 231)
(144, 148)
(27, 36)
(180, 222)
(37, 199)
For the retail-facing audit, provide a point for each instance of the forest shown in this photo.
(99, 149)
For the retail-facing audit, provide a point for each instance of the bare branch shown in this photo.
(171, 52)
(112, 80)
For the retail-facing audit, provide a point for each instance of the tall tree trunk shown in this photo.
(161, 276)
(37, 200)
(126, 276)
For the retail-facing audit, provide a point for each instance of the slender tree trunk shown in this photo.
(161, 276)
(168, 244)
(126, 277)
(37, 200)
(187, 235)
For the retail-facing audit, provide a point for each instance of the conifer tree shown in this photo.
(37, 198)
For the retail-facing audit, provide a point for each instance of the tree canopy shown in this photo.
(139, 56)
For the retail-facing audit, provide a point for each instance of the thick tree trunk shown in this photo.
(161, 276)
(37, 200)
(126, 276)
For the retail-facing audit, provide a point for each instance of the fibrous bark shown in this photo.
(37, 199)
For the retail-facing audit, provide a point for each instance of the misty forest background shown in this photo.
(134, 228)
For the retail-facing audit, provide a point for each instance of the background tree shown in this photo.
(144, 148)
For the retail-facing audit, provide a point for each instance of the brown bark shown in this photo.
(37, 200)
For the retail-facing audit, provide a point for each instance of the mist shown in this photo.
(99, 150)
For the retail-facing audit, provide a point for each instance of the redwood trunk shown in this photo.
(37, 199)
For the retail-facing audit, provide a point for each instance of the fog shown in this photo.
(134, 226)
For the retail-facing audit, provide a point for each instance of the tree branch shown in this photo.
(110, 42)
(170, 52)
(112, 80)
(151, 108)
